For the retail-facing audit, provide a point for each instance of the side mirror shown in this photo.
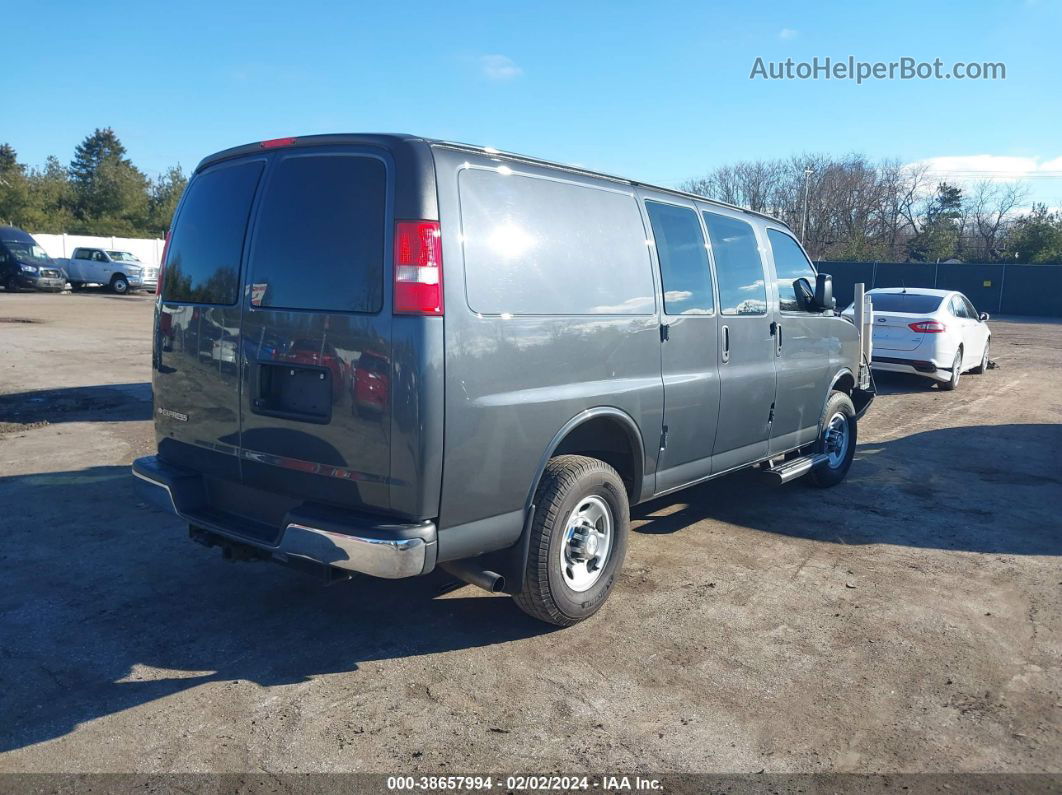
(824, 299)
(983, 317)
(805, 298)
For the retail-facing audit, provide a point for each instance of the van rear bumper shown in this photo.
(343, 540)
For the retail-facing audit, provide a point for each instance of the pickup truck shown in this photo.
(119, 270)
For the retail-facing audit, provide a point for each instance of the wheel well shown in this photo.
(846, 383)
(609, 440)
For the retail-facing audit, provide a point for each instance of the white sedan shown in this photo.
(933, 333)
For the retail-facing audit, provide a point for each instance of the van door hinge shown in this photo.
(665, 332)
(663, 437)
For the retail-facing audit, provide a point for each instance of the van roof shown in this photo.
(14, 233)
(391, 138)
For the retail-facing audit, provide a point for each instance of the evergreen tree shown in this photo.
(1037, 237)
(165, 193)
(110, 194)
(939, 237)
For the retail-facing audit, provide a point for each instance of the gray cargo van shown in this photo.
(386, 354)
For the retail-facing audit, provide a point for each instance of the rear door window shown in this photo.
(319, 235)
(683, 257)
(738, 267)
(203, 261)
(790, 264)
(542, 246)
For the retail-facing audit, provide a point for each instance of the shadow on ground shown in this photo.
(903, 383)
(97, 586)
(105, 403)
(991, 489)
(106, 605)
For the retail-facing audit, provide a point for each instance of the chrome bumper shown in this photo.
(392, 558)
(350, 543)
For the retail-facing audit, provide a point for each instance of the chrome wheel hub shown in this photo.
(587, 543)
(835, 440)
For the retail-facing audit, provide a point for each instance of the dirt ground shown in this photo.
(907, 620)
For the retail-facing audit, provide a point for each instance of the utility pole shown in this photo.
(807, 187)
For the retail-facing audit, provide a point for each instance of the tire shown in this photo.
(956, 373)
(577, 488)
(838, 416)
(982, 368)
(76, 286)
(119, 284)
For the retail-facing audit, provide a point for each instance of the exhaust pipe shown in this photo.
(469, 572)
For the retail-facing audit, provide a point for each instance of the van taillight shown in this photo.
(927, 326)
(418, 268)
(162, 264)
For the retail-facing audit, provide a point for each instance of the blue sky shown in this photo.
(654, 91)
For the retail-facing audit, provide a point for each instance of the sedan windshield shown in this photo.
(27, 252)
(122, 256)
(911, 303)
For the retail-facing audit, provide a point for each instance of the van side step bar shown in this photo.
(794, 468)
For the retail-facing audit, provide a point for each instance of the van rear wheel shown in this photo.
(578, 540)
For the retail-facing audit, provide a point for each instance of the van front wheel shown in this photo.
(837, 440)
(578, 540)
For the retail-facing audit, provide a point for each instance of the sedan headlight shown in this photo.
(29, 268)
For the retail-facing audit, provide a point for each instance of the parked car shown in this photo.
(149, 275)
(370, 384)
(99, 266)
(317, 353)
(558, 345)
(932, 333)
(24, 263)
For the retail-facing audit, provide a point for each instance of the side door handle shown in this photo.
(725, 334)
(776, 332)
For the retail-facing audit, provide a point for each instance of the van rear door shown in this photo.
(314, 325)
(196, 377)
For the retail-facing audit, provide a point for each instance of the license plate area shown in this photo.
(293, 392)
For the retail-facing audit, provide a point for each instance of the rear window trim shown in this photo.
(277, 156)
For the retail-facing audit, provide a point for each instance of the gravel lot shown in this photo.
(908, 620)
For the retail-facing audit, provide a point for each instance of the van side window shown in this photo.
(203, 263)
(536, 246)
(683, 257)
(738, 267)
(319, 237)
(790, 264)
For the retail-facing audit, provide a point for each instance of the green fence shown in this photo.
(1006, 289)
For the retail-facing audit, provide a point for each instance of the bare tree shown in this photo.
(992, 207)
